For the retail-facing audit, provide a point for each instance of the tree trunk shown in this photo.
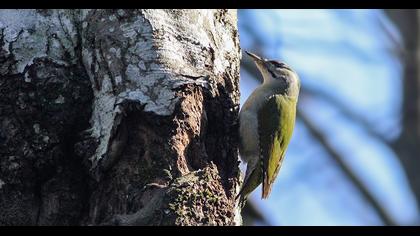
(406, 146)
(119, 117)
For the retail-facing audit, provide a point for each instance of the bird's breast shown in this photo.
(248, 123)
(248, 118)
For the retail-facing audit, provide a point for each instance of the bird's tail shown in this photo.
(241, 197)
(267, 182)
(266, 188)
(242, 200)
(253, 178)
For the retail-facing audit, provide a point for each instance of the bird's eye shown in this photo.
(276, 63)
(280, 65)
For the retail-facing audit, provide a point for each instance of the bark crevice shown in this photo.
(118, 117)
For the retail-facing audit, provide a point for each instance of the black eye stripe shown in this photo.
(276, 63)
(280, 65)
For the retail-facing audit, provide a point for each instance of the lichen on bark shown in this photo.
(130, 116)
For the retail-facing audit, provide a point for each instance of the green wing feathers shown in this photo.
(276, 122)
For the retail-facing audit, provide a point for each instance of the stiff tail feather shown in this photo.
(266, 187)
(252, 180)
(243, 197)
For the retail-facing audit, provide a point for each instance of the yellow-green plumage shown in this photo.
(266, 123)
(276, 122)
(251, 183)
(275, 127)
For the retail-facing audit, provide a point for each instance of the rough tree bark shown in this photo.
(119, 117)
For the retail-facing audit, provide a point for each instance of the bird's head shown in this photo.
(276, 71)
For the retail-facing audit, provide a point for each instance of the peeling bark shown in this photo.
(119, 117)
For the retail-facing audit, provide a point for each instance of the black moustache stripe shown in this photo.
(272, 74)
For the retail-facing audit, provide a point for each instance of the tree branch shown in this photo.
(320, 137)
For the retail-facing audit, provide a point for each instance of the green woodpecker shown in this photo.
(266, 123)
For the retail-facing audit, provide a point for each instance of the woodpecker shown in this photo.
(266, 123)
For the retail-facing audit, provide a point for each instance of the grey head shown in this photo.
(277, 72)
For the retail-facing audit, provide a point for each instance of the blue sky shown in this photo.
(349, 55)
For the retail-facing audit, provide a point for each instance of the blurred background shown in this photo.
(354, 158)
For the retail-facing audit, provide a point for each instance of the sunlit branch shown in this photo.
(345, 111)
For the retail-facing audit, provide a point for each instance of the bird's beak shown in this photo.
(255, 57)
(261, 62)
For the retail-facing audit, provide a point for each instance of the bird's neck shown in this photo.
(273, 87)
(291, 88)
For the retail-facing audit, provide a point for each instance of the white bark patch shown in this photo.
(102, 121)
(28, 34)
(148, 56)
(60, 99)
(36, 128)
(141, 57)
(27, 78)
(238, 217)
